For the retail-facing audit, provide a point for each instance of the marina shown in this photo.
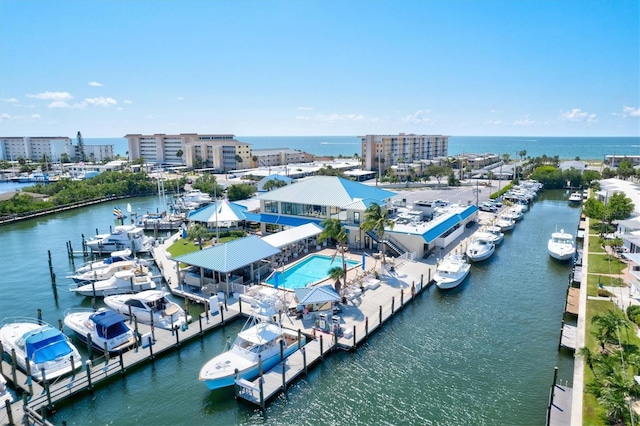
(398, 296)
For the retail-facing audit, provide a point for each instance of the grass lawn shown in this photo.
(605, 264)
(594, 244)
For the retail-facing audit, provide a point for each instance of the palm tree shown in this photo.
(376, 220)
(333, 229)
(588, 357)
(337, 273)
(238, 159)
(179, 154)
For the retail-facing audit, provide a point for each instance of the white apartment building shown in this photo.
(384, 151)
(218, 152)
(270, 157)
(33, 148)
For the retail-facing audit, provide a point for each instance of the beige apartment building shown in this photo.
(384, 151)
(218, 152)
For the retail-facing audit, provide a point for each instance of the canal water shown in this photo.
(483, 353)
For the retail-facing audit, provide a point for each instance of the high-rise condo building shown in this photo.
(383, 151)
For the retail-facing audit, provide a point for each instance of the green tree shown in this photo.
(593, 208)
(4, 164)
(376, 220)
(81, 154)
(337, 273)
(238, 159)
(240, 191)
(625, 168)
(273, 184)
(334, 230)
(179, 154)
(208, 184)
(437, 172)
(618, 207)
(197, 232)
(589, 176)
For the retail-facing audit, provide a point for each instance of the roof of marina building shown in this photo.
(431, 230)
(330, 191)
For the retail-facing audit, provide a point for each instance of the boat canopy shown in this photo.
(260, 334)
(46, 344)
(107, 318)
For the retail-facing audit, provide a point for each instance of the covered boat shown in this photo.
(106, 329)
(40, 345)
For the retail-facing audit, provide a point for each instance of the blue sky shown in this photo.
(108, 68)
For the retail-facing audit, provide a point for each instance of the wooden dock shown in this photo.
(573, 301)
(41, 397)
(372, 310)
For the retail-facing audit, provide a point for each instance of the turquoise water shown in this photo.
(587, 148)
(310, 270)
(480, 354)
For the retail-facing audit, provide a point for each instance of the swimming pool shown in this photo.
(308, 271)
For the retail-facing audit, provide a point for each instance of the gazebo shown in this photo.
(222, 213)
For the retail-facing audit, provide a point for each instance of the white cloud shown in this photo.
(95, 84)
(127, 101)
(149, 117)
(10, 100)
(58, 104)
(180, 98)
(576, 114)
(8, 117)
(630, 112)
(342, 117)
(523, 122)
(55, 96)
(119, 108)
(304, 108)
(418, 117)
(100, 101)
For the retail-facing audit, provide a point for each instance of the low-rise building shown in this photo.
(220, 152)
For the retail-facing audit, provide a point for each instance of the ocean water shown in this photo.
(567, 148)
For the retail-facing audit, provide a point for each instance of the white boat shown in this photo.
(147, 304)
(513, 213)
(259, 339)
(107, 329)
(160, 221)
(505, 223)
(123, 237)
(451, 271)
(575, 197)
(491, 234)
(116, 256)
(100, 274)
(561, 245)
(120, 282)
(5, 395)
(479, 250)
(44, 346)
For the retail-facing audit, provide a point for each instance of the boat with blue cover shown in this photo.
(39, 348)
(108, 330)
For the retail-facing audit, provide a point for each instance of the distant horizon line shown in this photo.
(345, 136)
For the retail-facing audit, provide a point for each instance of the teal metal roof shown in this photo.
(328, 191)
(316, 295)
(230, 256)
(220, 211)
(448, 223)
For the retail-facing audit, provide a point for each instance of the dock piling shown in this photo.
(321, 349)
(304, 361)
(284, 377)
(7, 407)
(88, 369)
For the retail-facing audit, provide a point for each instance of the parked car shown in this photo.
(487, 207)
